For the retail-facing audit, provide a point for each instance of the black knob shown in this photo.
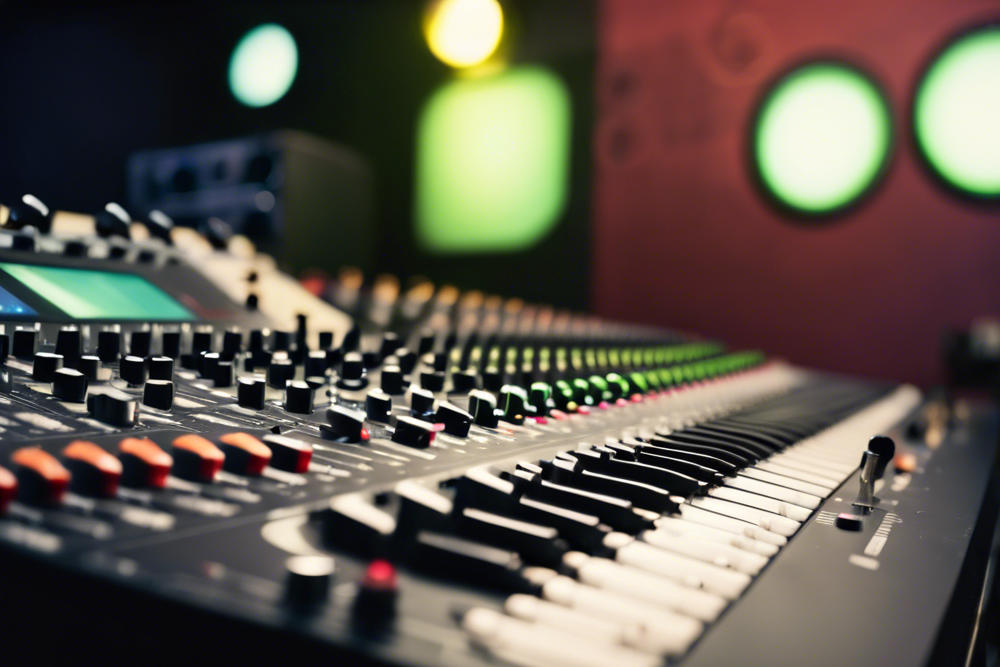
(392, 381)
(112, 220)
(170, 344)
(69, 385)
(426, 343)
(407, 360)
(45, 365)
(352, 339)
(89, 364)
(483, 408)
(161, 368)
(201, 341)
(279, 372)
(298, 397)
(69, 344)
(223, 374)
(325, 340)
(207, 363)
(370, 360)
(75, 248)
(256, 343)
(232, 343)
(421, 402)
(113, 407)
(344, 424)
(378, 406)
(432, 381)
(252, 302)
(133, 370)
(352, 372)
(463, 382)
(514, 403)
(413, 432)
(315, 363)
(456, 420)
(108, 345)
(158, 394)
(282, 340)
(159, 225)
(439, 362)
(217, 232)
(540, 397)
(23, 241)
(390, 343)
(24, 343)
(492, 379)
(139, 343)
(250, 393)
(307, 581)
(4, 348)
(885, 448)
(29, 212)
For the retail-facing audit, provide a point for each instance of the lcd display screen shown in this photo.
(99, 295)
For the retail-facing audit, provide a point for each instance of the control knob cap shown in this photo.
(70, 385)
(307, 580)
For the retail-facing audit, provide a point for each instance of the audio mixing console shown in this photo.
(198, 457)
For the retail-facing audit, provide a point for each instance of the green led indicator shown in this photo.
(956, 114)
(492, 162)
(822, 137)
(263, 65)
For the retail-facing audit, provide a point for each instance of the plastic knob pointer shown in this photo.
(158, 394)
(250, 393)
(345, 424)
(41, 479)
(94, 471)
(45, 365)
(456, 420)
(69, 385)
(196, 458)
(289, 454)
(299, 397)
(413, 432)
(113, 407)
(144, 464)
(245, 454)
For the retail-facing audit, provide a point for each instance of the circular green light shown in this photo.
(821, 138)
(956, 113)
(263, 65)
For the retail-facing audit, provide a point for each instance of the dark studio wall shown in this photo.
(682, 237)
(86, 84)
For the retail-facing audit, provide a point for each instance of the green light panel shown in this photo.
(492, 162)
(263, 65)
(956, 113)
(821, 137)
(99, 295)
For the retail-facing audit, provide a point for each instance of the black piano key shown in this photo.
(717, 464)
(727, 455)
(458, 559)
(668, 480)
(535, 543)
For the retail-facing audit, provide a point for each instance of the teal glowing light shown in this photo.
(821, 138)
(263, 65)
(492, 162)
(956, 113)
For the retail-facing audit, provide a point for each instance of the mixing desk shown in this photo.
(200, 457)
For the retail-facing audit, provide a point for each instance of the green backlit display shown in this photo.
(821, 138)
(492, 162)
(99, 295)
(956, 113)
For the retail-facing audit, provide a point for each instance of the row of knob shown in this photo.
(41, 479)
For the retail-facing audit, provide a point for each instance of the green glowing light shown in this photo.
(822, 137)
(492, 162)
(956, 113)
(263, 65)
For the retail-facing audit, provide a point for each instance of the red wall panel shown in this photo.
(683, 238)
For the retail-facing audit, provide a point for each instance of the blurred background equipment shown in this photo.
(304, 199)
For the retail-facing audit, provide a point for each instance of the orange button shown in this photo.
(245, 454)
(196, 458)
(95, 472)
(40, 476)
(8, 488)
(144, 463)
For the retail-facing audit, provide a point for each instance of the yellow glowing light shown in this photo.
(463, 33)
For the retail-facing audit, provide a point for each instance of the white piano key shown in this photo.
(766, 520)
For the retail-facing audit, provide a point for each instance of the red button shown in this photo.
(196, 458)
(40, 476)
(95, 472)
(380, 575)
(144, 464)
(245, 454)
(8, 488)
